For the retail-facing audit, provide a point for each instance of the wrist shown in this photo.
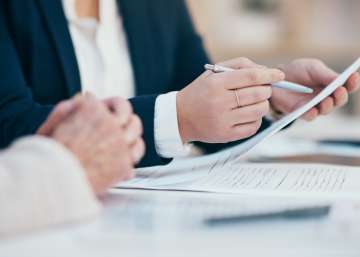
(183, 121)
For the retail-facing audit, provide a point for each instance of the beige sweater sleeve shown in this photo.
(42, 184)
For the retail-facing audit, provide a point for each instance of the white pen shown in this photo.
(281, 84)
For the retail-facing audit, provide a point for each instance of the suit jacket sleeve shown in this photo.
(20, 114)
(42, 184)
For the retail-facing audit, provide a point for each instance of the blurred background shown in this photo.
(272, 32)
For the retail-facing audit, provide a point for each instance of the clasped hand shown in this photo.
(104, 136)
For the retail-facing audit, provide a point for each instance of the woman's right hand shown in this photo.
(107, 146)
(228, 106)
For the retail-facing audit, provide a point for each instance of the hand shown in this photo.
(121, 108)
(315, 74)
(97, 138)
(208, 109)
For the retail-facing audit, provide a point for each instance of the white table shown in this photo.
(123, 230)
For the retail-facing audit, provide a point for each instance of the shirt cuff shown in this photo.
(168, 141)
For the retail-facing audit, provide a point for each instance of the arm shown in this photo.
(20, 114)
(42, 184)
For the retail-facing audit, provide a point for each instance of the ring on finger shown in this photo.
(237, 98)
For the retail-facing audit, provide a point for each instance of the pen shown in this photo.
(281, 84)
(303, 213)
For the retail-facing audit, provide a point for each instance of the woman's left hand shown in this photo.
(315, 74)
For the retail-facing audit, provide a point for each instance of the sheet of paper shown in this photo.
(262, 179)
(277, 126)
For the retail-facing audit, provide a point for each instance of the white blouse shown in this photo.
(105, 69)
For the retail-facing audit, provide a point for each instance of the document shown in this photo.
(224, 173)
(243, 148)
(259, 179)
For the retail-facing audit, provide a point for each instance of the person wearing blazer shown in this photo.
(150, 52)
(53, 178)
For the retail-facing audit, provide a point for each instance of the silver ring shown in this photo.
(237, 98)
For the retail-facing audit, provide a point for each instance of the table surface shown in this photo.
(126, 229)
(129, 227)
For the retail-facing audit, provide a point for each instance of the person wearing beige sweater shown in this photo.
(84, 148)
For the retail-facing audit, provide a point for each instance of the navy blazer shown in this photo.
(38, 66)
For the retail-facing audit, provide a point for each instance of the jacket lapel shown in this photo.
(57, 25)
(136, 24)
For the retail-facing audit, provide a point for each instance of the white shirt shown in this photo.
(105, 70)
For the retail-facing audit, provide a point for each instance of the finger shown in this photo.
(138, 151)
(121, 108)
(133, 130)
(250, 113)
(341, 97)
(245, 130)
(251, 95)
(241, 63)
(89, 100)
(89, 95)
(61, 112)
(353, 83)
(326, 106)
(321, 74)
(248, 77)
(311, 115)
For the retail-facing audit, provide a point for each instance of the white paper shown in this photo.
(262, 179)
(280, 177)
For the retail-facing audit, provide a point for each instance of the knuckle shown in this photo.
(262, 95)
(268, 92)
(253, 129)
(244, 61)
(258, 96)
(266, 107)
(263, 109)
(258, 125)
(253, 76)
(316, 61)
(277, 75)
(127, 106)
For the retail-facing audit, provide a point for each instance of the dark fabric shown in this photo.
(38, 66)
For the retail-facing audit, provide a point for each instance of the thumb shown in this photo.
(60, 112)
(322, 74)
